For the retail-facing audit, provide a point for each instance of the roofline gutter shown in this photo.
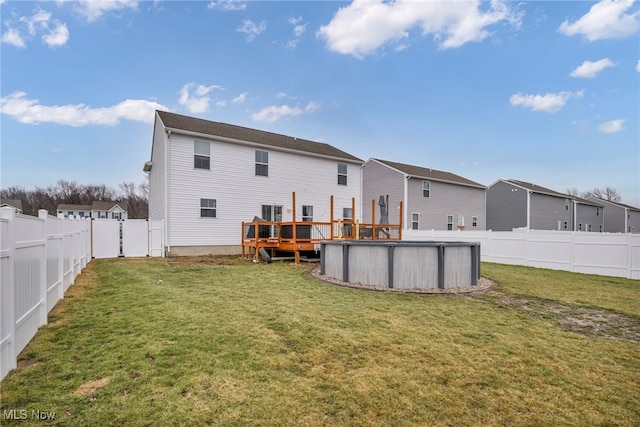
(446, 181)
(257, 144)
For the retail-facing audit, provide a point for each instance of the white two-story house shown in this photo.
(206, 178)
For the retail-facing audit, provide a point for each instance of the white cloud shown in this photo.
(240, 98)
(589, 69)
(198, 101)
(274, 113)
(13, 37)
(548, 103)
(92, 10)
(30, 111)
(638, 66)
(57, 36)
(227, 5)
(298, 30)
(606, 19)
(222, 103)
(251, 29)
(612, 126)
(364, 26)
(280, 95)
(55, 33)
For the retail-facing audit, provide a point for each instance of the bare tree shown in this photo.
(606, 193)
(136, 199)
(572, 191)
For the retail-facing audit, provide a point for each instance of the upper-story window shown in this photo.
(449, 222)
(201, 155)
(262, 163)
(426, 189)
(347, 213)
(342, 174)
(566, 204)
(474, 221)
(415, 221)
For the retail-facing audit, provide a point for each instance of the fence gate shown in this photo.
(128, 238)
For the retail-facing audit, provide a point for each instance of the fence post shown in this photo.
(8, 359)
(43, 214)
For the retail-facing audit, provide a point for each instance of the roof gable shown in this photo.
(430, 174)
(14, 203)
(538, 189)
(239, 134)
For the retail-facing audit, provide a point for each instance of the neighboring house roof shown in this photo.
(97, 205)
(105, 206)
(430, 174)
(11, 202)
(239, 134)
(63, 207)
(586, 202)
(622, 205)
(538, 189)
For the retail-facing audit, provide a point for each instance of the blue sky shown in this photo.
(543, 91)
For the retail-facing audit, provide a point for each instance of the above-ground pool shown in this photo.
(402, 264)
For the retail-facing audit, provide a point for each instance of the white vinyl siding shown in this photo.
(232, 179)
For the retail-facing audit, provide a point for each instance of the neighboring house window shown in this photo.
(579, 227)
(601, 228)
(307, 213)
(474, 221)
(70, 214)
(342, 174)
(449, 222)
(597, 211)
(589, 227)
(201, 155)
(59, 212)
(461, 221)
(426, 189)
(81, 214)
(347, 213)
(566, 225)
(415, 221)
(207, 208)
(262, 163)
(566, 204)
(116, 215)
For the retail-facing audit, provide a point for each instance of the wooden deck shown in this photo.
(299, 237)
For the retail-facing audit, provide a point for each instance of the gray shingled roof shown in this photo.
(16, 203)
(538, 189)
(633, 208)
(99, 205)
(207, 127)
(64, 207)
(432, 174)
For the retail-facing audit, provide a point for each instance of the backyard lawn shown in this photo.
(223, 341)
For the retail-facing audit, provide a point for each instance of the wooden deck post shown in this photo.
(331, 218)
(401, 216)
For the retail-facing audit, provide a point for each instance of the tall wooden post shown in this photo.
(373, 219)
(401, 217)
(331, 217)
(294, 229)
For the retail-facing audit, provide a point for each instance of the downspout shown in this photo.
(575, 215)
(528, 210)
(167, 224)
(406, 200)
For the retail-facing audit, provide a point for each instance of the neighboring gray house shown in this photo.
(98, 209)
(12, 203)
(206, 178)
(618, 217)
(518, 204)
(432, 199)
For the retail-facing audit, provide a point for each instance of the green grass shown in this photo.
(264, 344)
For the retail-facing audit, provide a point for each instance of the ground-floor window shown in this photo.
(415, 221)
(208, 208)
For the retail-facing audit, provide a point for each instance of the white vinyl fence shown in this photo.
(128, 238)
(40, 257)
(607, 254)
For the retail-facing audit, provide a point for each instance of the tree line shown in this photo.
(132, 197)
(606, 193)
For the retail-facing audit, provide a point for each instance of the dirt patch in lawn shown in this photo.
(593, 322)
(91, 387)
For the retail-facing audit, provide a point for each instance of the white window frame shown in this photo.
(450, 222)
(201, 154)
(307, 213)
(208, 205)
(415, 221)
(262, 163)
(342, 173)
(474, 221)
(426, 184)
(347, 213)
